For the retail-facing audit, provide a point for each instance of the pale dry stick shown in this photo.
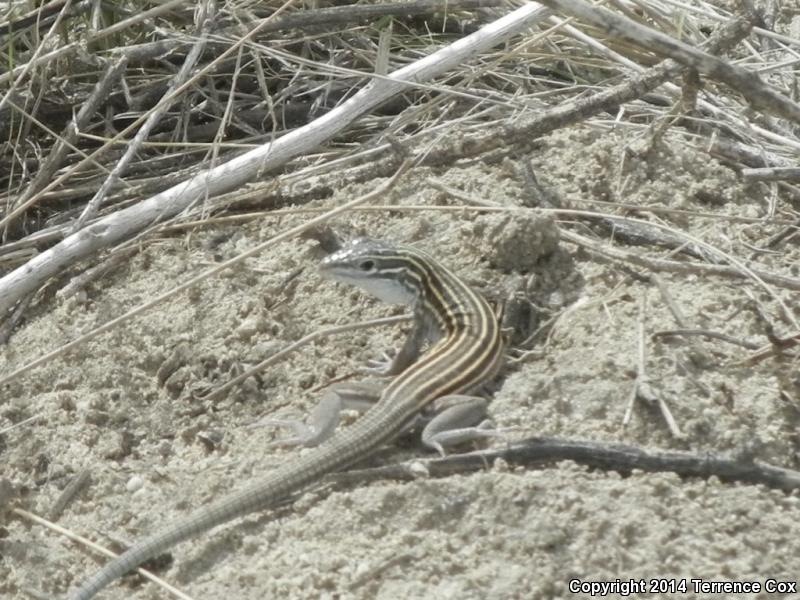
(52, 234)
(294, 346)
(157, 10)
(28, 516)
(232, 174)
(640, 364)
(289, 233)
(171, 202)
(771, 349)
(771, 136)
(772, 174)
(54, 28)
(677, 314)
(384, 47)
(60, 53)
(96, 15)
(641, 386)
(785, 69)
(261, 77)
(20, 424)
(746, 83)
(25, 249)
(455, 193)
(741, 154)
(204, 19)
(601, 48)
(708, 334)
(790, 62)
(647, 392)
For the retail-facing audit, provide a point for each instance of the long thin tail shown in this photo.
(151, 546)
(369, 432)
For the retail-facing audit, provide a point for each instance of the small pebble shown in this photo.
(134, 483)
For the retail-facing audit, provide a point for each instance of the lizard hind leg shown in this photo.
(459, 419)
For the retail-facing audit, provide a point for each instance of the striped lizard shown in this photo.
(466, 347)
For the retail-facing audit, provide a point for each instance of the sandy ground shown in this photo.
(124, 406)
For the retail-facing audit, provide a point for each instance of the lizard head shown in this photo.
(395, 274)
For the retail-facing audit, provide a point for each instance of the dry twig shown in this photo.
(625, 459)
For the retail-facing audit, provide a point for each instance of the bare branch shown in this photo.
(537, 451)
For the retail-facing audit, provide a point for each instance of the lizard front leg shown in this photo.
(409, 352)
(324, 418)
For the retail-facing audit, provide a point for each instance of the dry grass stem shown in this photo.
(32, 518)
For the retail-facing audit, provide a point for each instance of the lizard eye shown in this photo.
(367, 265)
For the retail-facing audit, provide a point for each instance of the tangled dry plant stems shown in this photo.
(468, 88)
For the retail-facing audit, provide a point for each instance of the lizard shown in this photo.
(466, 347)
